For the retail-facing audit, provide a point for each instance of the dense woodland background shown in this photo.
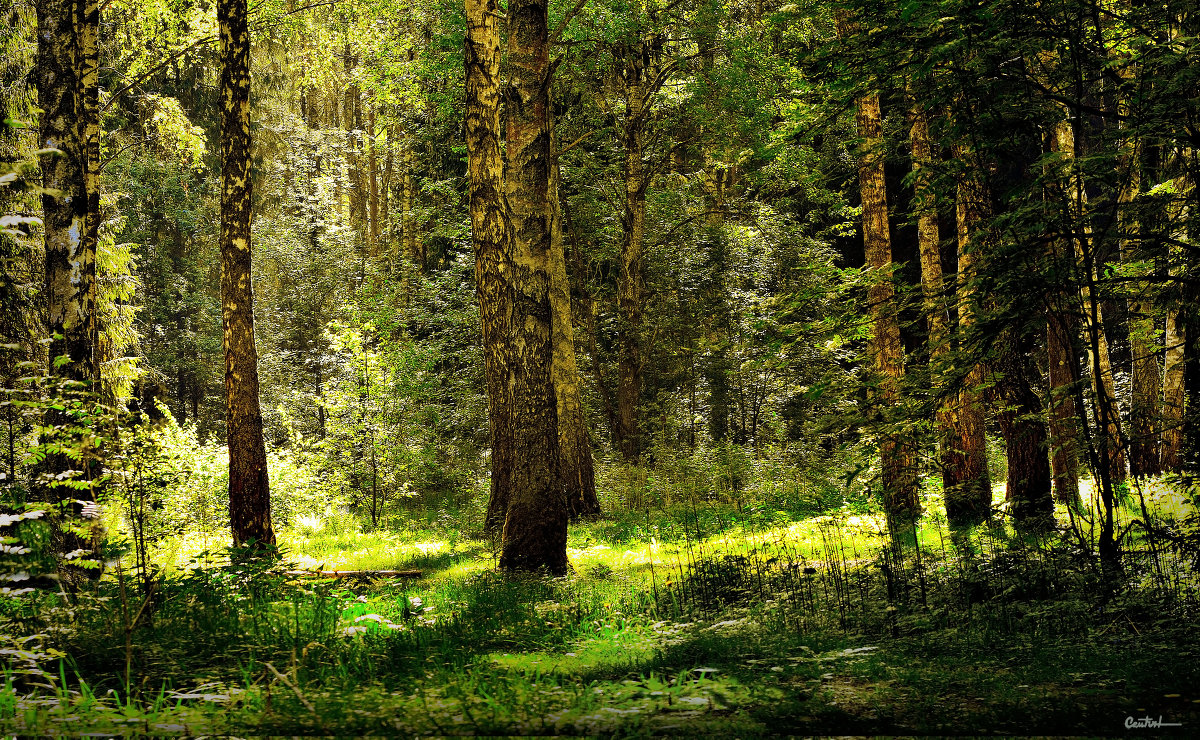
(662, 270)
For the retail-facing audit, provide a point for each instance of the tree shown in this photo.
(70, 263)
(249, 486)
(489, 231)
(535, 529)
(887, 351)
(933, 289)
(576, 468)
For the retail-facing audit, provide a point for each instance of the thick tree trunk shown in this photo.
(489, 229)
(576, 467)
(249, 490)
(969, 489)
(899, 470)
(1025, 434)
(630, 278)
(69, 292)
(535, 529)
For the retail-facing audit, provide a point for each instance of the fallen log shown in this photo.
(354, 573)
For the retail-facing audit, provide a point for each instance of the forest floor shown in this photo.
(711, 619)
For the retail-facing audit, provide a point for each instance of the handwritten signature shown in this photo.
(1146, 723)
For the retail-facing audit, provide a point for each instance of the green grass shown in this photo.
(700, 616)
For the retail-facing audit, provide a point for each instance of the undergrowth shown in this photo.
(696, 611)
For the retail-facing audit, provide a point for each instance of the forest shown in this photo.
(599, 367)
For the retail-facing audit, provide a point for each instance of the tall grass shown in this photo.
(707, 575)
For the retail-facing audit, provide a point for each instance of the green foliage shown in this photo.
(747, 627)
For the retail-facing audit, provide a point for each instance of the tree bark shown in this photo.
(1173, 393)
(69, 290)
(969, 493)
(1064, 427)
(249, 489)
(933, 289)
(489, 229)
(630, 278)
(1025, 434)
(576, 467)
(899, 472)
(535, 529)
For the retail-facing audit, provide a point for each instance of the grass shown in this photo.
(693, 616)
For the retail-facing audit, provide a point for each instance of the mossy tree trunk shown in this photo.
(69, 291)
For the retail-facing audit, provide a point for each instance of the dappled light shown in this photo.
(722, 368)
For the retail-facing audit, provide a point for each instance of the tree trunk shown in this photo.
(1146, 388)
(385, 197)
(1173, 393)
(70, 288)
(1064, 428)
(969, 490)
(69, 291)
(373, 184)
(489, 229)
(408, 203)
(353, 181)
(575, 448)
(630, 278)
(1025, 434)
(249, 490)
(535, 529)
(1146, 383)
(933, 289)
(899, 472)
